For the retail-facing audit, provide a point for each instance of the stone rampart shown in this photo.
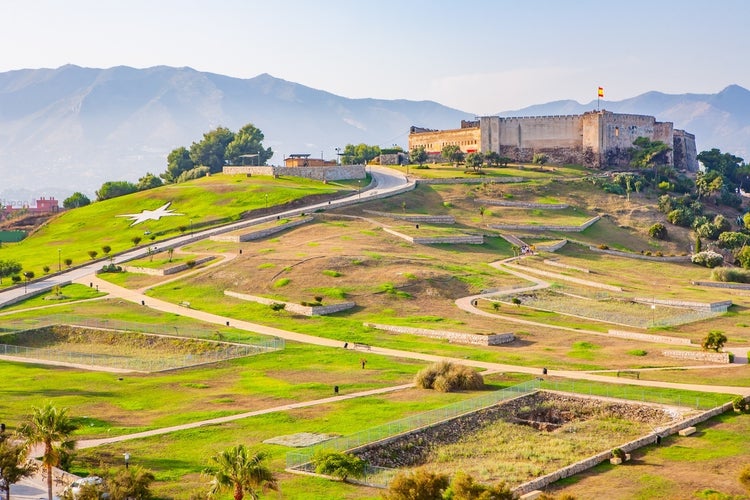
(452, 337)
(340, 172)
(530, 227)
(472, 180)
(721, 306)
(521, 204)
(292, 307)
(563, 277)
(588, 463)
(428, 219)
(169, 270)
(261, 233)
(703, 356)
(647, 337)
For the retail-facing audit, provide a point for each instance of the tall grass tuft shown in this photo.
(448, 377)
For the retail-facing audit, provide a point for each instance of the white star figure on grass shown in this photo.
(145, 215)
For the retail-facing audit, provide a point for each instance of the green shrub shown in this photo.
(681, 217)
(419, 484)
(658, 231)
(731, 275)
(277, 306)
(603, 247)
(637, 352)
(448, 377)
(618, 453)
(731, 239)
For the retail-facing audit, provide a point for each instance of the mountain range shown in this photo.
(72, 128)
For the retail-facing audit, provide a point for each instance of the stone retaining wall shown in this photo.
(720, 306)
(521, 204)
(292, 307)
(646, 337)
(551, 248)
(472, 180)
(261, 233)
(429, 219)
(453, 337)
(340, 172)
(529, 227)
(630, 255)
(720, 284)
(710, 357)
(466, 239)
(586, 464)
(169, 270)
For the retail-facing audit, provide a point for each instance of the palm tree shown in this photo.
(14, 465)
(243, 471)
(52, 428)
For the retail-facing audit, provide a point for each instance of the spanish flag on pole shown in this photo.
(601, 92)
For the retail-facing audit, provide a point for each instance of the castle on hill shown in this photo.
(595, 139)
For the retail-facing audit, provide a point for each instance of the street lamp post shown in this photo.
(266, 201)
(59, 259)
(338, 155)
(127, 459)
(191, 226)
(359, 188)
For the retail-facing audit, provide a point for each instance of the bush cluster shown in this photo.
(111, 268)
(707, 258)
(731, 275)
(658, 231)
(448, 377)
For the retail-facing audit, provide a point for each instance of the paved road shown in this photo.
(385, 182)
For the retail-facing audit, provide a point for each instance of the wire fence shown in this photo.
(380, 477)
(300, 459)
(132, 361)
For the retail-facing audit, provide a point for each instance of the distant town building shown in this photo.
(304, 160)
(42, 206)
(594, 139)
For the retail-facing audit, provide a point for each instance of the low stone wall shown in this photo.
(337, 173)
(429, 219)
(630, 255)
(466, 239)
(169, 270)
(521, 204)
(452, 337)
(261, 233)
(721, 284)
(551, 248)
(529, 227)
(472, 180)
(710, 357)
(292, 307)
(646, 337)
(720, 306)
(584, 465)
(554, 263)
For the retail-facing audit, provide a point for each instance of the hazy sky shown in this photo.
(480, 56)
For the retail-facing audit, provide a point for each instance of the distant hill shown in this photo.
(718, 120)
(71, 128)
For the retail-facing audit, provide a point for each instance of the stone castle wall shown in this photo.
(594, 139)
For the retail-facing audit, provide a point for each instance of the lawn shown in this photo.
(197, 204)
